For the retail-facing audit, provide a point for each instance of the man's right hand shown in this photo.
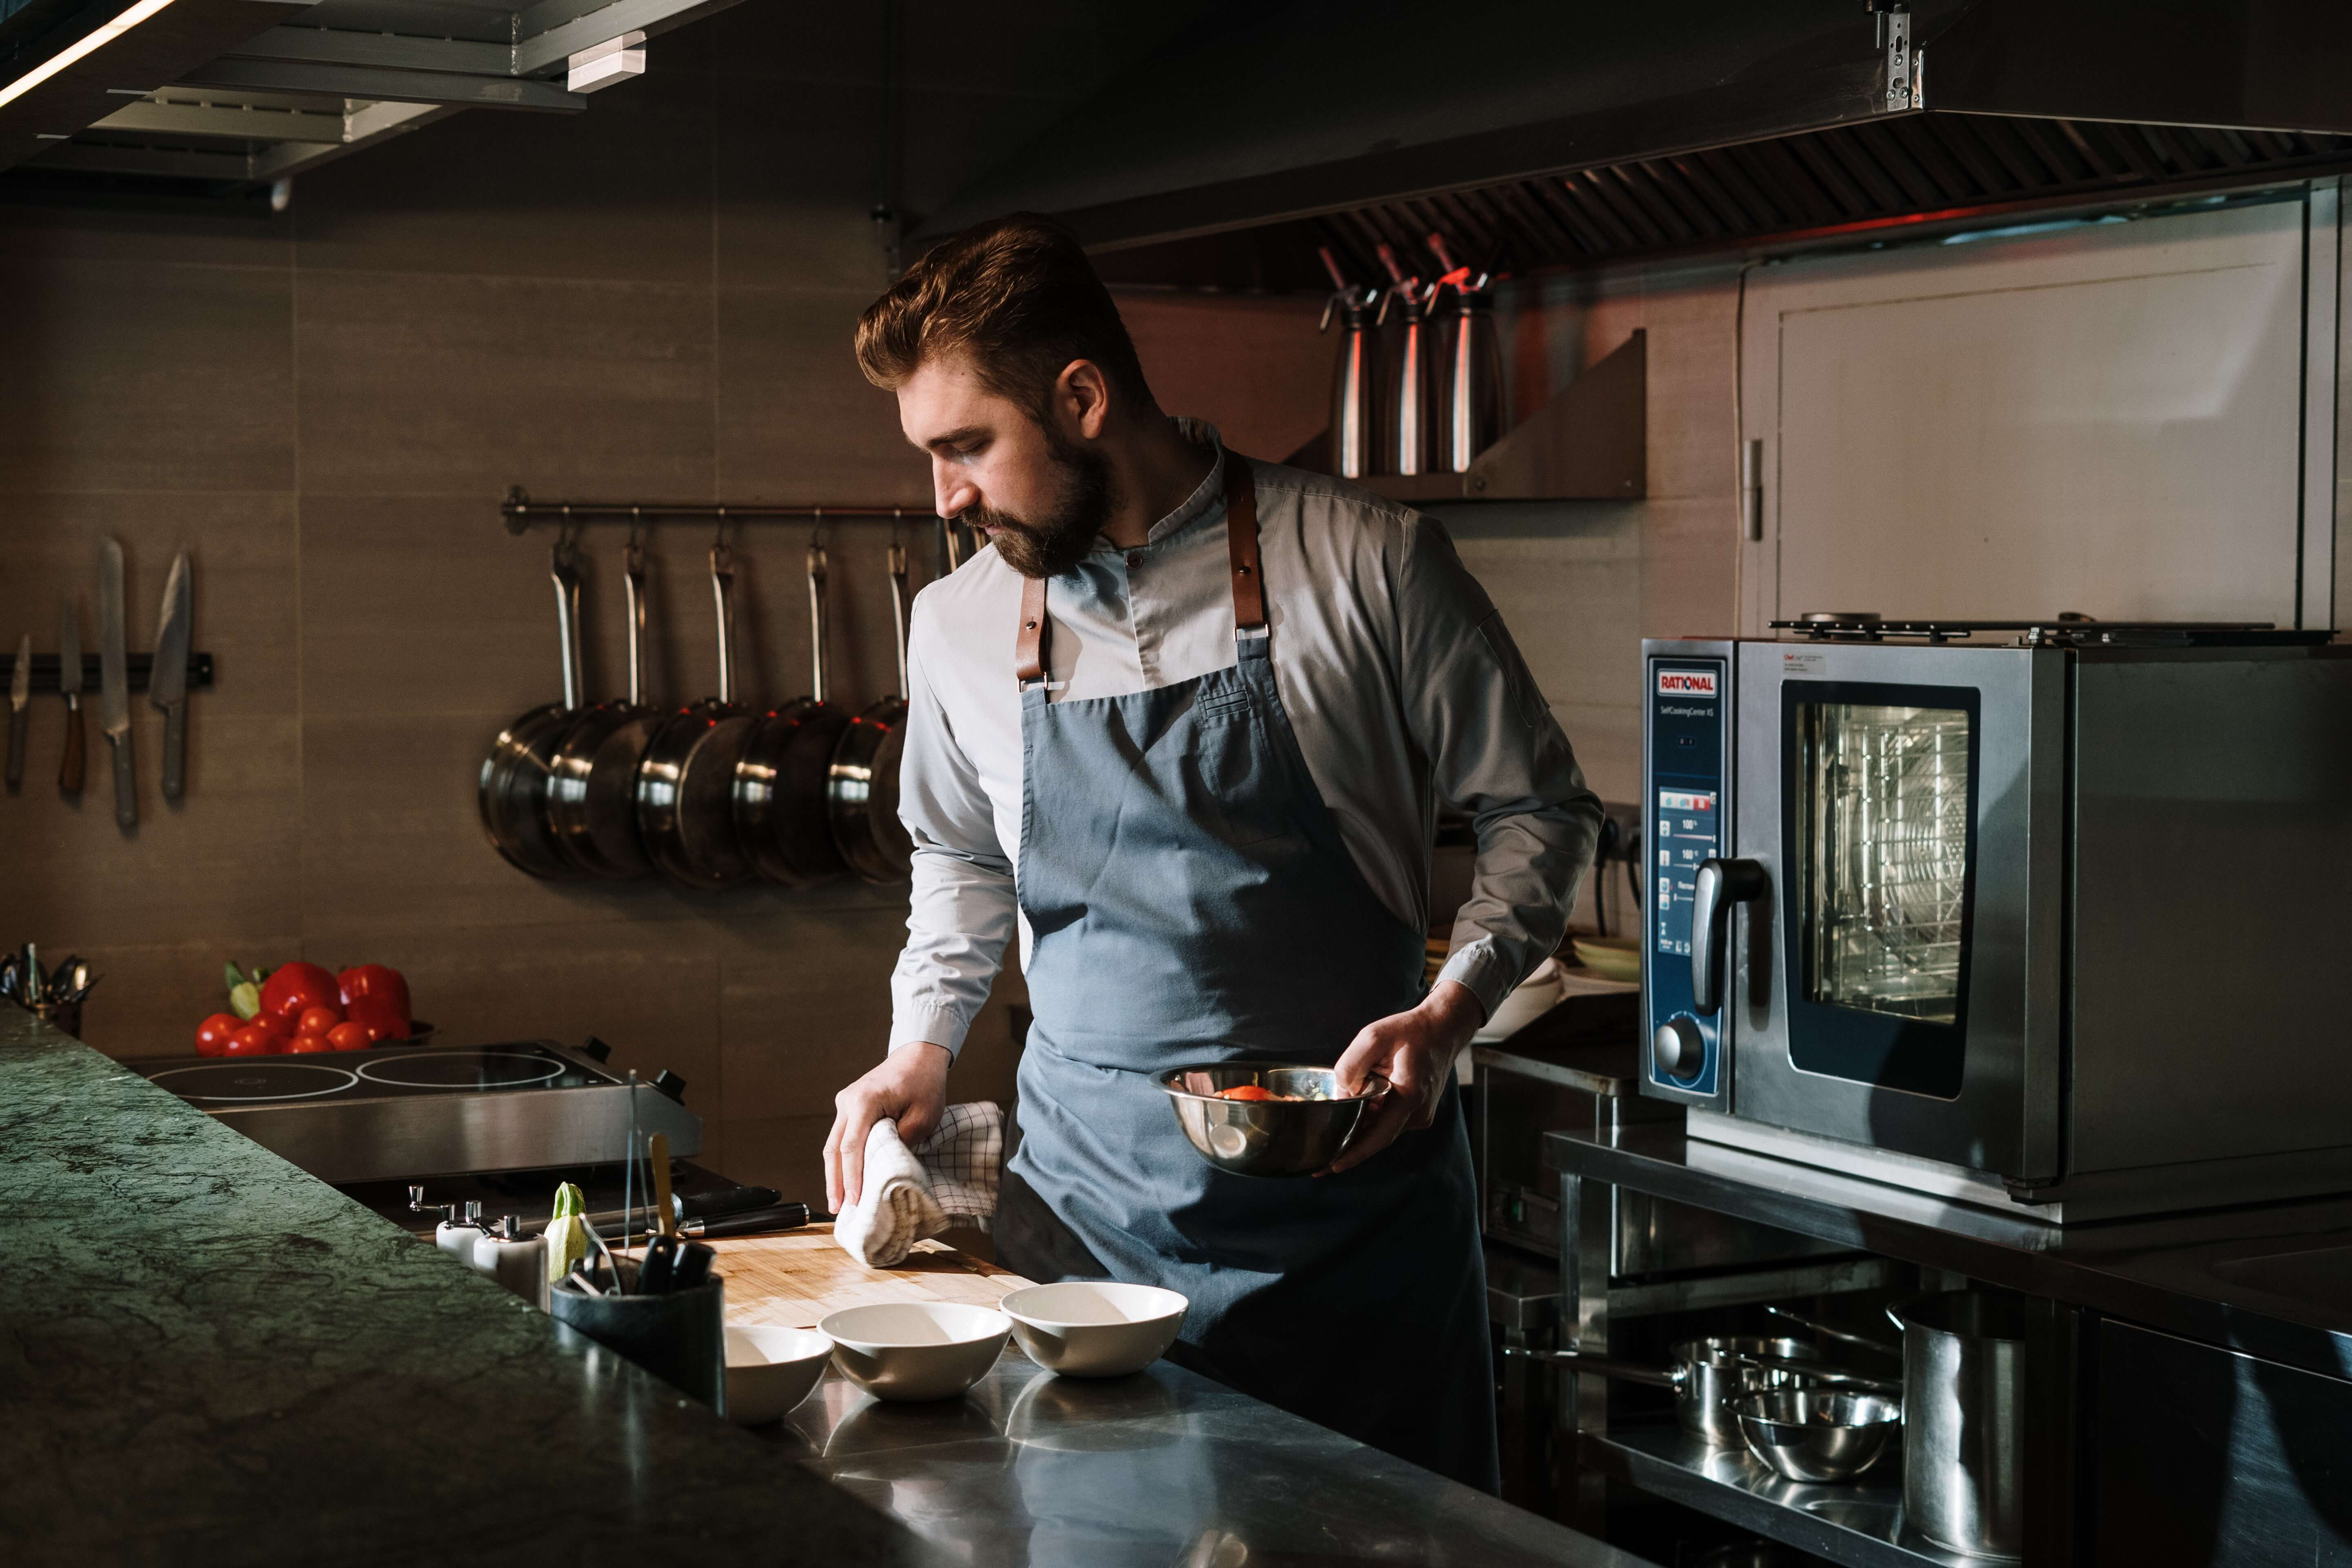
(910, 1088)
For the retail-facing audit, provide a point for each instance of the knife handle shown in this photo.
(69, 771)
(126, 785)
(175, 749)
(18, 716)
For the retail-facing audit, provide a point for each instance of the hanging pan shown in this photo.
(513, 790)
(591, 804)
(688, 774)
(862, 787)
(779, 784)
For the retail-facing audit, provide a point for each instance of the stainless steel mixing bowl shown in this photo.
(1809, 1435)
(1267, 1137)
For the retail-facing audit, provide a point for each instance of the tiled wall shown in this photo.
(1580, 583)
(652, 299)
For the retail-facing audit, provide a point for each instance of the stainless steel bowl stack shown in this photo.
(1814, 1435)
(1708, 1377)
(1295, 1137)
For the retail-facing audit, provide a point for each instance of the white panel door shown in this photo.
(2105, 419)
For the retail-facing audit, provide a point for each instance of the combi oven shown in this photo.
(2015, 914)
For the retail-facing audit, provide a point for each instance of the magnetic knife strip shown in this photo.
(136, 667)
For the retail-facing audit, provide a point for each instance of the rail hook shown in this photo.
(567, 533)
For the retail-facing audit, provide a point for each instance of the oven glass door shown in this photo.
(1879, 814)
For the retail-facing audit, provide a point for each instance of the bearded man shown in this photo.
(1185, 727)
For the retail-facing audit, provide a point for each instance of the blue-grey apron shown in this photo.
(1190, 899)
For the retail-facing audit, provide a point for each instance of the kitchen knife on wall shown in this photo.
(167, 681)
(20, 695)
(114, 684)
(69, 682)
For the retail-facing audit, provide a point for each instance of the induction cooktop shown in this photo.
(430, 1110)
(483, 1069)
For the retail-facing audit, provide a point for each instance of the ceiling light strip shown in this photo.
(88, 43)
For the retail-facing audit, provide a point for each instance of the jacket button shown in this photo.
(1135, 561)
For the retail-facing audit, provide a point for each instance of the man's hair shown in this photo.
(1019, 297)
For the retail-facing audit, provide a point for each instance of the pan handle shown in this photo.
(565, 569)
(1601, 1366)
(898, 608)
(633, 576)
(953, 531)
(819, 621)
(722, 589)
(1817, 1326)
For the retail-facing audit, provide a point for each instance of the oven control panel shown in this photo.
(1685, 809)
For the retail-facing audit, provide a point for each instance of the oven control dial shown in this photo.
(1679, 1049)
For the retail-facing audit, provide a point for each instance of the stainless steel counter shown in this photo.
(2271, 1280)
(1164, 1469)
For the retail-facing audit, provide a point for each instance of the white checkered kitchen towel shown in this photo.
(947, 1179)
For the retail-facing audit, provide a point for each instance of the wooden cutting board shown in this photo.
(794, 1278)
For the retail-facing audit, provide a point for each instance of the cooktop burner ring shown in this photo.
(261, 1074)
(475, 1065)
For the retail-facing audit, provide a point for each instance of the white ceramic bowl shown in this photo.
(1095, 1329)
(769, 1370)
(916, 1350)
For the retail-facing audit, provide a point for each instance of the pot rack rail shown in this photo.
(522, 513)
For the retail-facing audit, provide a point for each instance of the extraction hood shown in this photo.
(1549, 133)
(211, 98)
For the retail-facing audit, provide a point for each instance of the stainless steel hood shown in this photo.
(1566, 133)
(212, 97)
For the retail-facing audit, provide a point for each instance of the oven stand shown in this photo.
(1592, 1300)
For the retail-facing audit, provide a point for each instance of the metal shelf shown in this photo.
(1859, 1524)
(1590, 442)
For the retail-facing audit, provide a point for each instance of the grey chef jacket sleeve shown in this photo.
(961, 911)
(1493, 751)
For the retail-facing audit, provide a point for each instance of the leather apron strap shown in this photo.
(1032, 648)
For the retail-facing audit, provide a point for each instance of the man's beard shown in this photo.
(1059, 540)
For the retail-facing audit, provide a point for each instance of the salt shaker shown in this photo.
(515, 1260)
(456, 1238)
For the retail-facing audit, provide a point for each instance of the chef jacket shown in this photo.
(1400, 683)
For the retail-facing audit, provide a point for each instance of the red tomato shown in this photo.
(349, 1037)
(317, 1021)
(302, 1045)
(251, 1041)
(1246, 1091)
(291, 990)
(213, 1034)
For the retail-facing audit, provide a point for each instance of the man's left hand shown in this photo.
(1414, 1051)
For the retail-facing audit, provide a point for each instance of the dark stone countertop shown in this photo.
(207, 1356)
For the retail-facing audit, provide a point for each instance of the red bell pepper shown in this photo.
(293, 989)
(377, 999)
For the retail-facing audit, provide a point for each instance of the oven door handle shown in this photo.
(1720, 885)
